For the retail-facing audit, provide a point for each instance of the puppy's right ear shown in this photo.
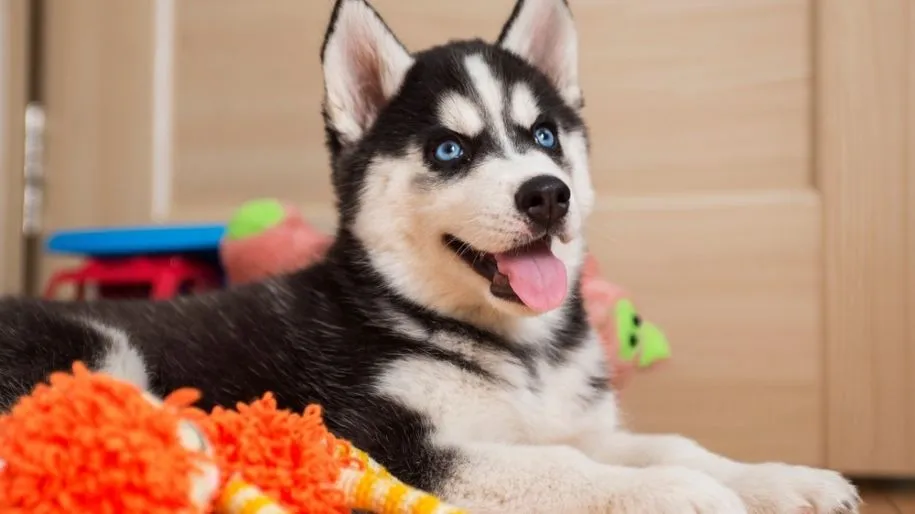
(542, 32)
(364, 66)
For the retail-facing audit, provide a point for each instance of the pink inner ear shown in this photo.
(544, 49)
(543, 33)
(367, 81)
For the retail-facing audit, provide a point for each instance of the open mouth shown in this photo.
(528, 274)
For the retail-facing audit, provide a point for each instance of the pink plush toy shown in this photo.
(626, 336)
(266, 237)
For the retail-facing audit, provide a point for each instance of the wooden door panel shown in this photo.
(697, 96)
(98, 98)
(248, 92)
(735, 282)
(909, 407)
(99, 92)
(13, 39)
(865, 168)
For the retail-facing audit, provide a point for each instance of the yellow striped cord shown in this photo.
(367, 490)
(368, 486)
(369, 463)
(240, 497)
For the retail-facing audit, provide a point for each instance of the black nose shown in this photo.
(544, 199)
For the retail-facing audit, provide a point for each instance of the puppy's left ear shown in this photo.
(543, 33)
(364, 66)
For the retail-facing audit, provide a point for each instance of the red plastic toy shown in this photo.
(157, 262)
(155, 277)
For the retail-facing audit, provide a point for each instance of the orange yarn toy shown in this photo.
(292, 458)
(89, 443)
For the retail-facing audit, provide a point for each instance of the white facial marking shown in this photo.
(458, 113)
(489, 89)
(525, 110)
(576, 151)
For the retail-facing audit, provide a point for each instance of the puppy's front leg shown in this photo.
(765, 488)
(499, 478)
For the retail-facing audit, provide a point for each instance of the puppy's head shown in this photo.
(462, 169)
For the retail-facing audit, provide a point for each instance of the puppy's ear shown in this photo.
(364, 66)
(543, 33)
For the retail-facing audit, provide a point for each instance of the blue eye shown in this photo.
(545, 137)
(448, 151)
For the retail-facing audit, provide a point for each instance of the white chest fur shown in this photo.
(554, 405)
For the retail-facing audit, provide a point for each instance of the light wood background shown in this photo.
(867, 163)
(751, 158)
(12, 110)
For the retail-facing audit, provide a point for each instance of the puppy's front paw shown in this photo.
(673, 490)
(774, 488)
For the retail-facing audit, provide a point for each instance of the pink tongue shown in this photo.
(536, 275)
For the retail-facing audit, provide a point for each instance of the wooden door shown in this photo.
(13, 15)
(709, 213)
(715, 206)
(866, 140)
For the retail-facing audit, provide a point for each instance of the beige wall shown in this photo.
(12, 97)
(866, 164)
(4, 123)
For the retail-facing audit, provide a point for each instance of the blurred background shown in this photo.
(754, 162)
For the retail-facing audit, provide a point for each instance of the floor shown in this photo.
(888, 498)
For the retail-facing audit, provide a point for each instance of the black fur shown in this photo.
(310, 337)
(313, 336)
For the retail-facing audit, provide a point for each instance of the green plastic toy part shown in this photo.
(654, 345)
(254, 217)
(638, 337)
(627, 329)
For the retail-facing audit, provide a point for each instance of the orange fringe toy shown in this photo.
(86, 442)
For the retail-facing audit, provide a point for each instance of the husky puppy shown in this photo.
(444, 333)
